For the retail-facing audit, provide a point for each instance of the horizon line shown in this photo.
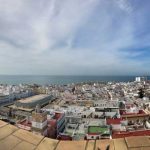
(71, 75)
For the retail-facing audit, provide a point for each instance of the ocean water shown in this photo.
(46, 79)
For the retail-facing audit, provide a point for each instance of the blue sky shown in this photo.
(75, 37)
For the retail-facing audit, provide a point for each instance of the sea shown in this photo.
(62, 80)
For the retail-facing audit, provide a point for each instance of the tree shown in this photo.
(141, 93)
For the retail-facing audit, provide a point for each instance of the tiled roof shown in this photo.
(13, 138)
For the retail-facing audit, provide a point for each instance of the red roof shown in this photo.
(123, 112)
(114, 121)
(131, 133)
(26, 123)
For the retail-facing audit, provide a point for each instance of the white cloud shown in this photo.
(38, 38)
(124, 5)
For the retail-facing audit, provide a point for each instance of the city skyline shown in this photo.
(74, 37)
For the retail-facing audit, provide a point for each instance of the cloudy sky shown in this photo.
(75, 37)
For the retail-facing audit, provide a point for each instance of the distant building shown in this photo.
(123, 134)
(32, 101)
(25, 124)
(133, 114)
(39, 121)
(140, 79)
(4, 99)
(106, 104)
(56, 124)
(98, 132)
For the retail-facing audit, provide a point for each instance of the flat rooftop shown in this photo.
(33, 98)
(98, 129)
(21, 108)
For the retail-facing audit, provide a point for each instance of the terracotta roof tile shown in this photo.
(12, 138)
(28, 136)
(139, 141)
(24, 146)
(120, 144)
(145, 148)
(90, 145)
(2, 123)
(47, 144)
(7, 130)
(102, 144)
(71, 145)
(9, 142)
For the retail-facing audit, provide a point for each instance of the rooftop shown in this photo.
(13, 138)
(114, 121)
(97, 129)
(32, 101)
(33, 98)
